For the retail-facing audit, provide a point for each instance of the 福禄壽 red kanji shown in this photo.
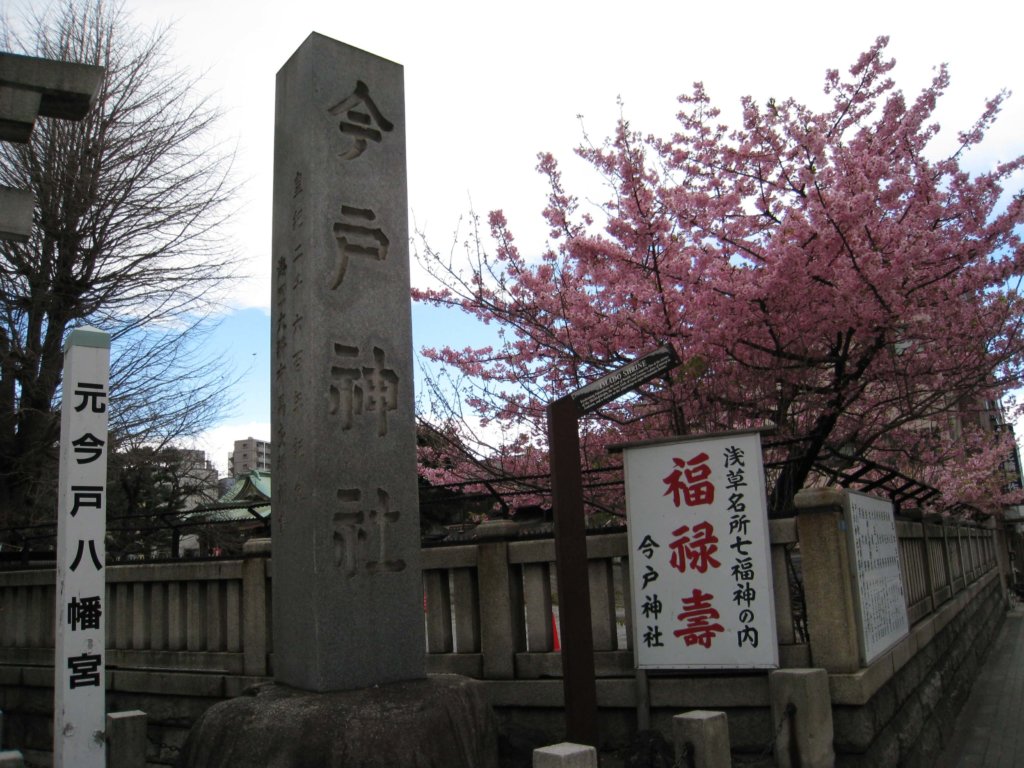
(689, 483)
(697, 619)
(697, 550)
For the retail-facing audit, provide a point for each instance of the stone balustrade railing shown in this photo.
(490, 606)
(203, 616)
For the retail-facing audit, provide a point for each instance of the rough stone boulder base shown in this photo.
(440, 722)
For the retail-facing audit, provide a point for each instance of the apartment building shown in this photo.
(249, 454)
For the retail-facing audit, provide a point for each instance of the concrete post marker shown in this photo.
(126, 739)
(707, 734)
(565, 755)
(808, 722)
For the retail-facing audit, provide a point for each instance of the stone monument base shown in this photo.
(442, 721)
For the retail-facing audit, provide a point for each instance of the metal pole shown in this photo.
(571, 566)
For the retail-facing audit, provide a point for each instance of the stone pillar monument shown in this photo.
(347, 586)
(347, 591)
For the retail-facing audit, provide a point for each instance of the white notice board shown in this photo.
(879, 600)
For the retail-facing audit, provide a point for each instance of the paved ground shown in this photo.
(990, 729)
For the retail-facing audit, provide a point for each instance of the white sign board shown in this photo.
(700, 560)
(878, 587)
(79, 687)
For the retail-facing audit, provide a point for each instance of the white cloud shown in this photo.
(486, 89)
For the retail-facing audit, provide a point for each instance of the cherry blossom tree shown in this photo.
(821, 272)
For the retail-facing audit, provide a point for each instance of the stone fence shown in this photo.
(512, 634)
(183, 635)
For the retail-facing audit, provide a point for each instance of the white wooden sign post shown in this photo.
(699, 553)
(80, 685)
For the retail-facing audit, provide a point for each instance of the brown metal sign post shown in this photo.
(571, 566)
(578, 681)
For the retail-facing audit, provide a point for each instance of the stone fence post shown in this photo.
(947, 558)
(802, 707)
(126, 739)
(1001, 551)
(705, 735)
(565, 755)
(254, 606)
(500, 600)
(828, 591)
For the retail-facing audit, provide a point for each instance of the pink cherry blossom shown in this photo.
(822, 273)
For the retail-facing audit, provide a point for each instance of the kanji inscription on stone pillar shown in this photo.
(347, 591)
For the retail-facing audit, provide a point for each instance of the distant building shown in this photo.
(249, 455)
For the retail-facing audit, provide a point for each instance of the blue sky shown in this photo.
(489, 86)
(243, 339)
